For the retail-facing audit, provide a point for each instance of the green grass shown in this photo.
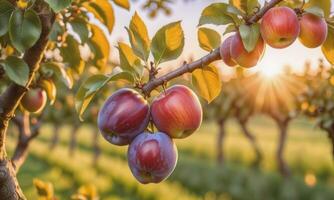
(197, 175)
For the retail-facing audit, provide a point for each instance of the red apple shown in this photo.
(241, 56)
(152, 157)
(177, 112)
(280, 27)
(313, 30)
(123, 116)
(225, 52)
(34, 100)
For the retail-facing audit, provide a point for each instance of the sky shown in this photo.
(189, 12)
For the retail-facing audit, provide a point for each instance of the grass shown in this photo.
(196, 176)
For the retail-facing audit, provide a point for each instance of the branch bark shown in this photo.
(204, 61)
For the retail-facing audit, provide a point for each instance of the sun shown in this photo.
(270, 72)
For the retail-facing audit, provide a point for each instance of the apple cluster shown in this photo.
(279, 28)
(124, 119)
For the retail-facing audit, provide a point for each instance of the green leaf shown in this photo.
(71, 54)
(103, 11)
(92, 85)
(325, 5)
(6, 10)
(208, 39)
(138, 36)
(123, 3)
(58, 5)
(328, 46)
(24, 29)
(207, 82)
(99, 44)
(59, 72)
(250, 36)
(81, 27)
(218, 14)
(168, 43)
(128, 60)
(16, 70)
(57, 30)
(247, 6)
(315, 11)
(50, 89)
(229, 29)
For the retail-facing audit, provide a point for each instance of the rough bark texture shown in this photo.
(9, 187)
(220, 142)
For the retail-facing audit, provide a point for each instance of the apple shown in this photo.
(123, 116)
(225, 52)
(241, 56)
(313, 30)
(152, 157)
(34, 100)
(177, 112)
(280, 27)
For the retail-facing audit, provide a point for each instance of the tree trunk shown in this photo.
(9, 186)
(55, 137)
(96, 148)
(253, 142)
(220, 142)
(73, 140)
(331, 137)
(282, 165)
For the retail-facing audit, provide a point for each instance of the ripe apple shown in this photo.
(313, 30)
(152, 157)
(34, 100)
(177, 112)
(123, 116)
(225, 52)
(280, 27)
(241, 56)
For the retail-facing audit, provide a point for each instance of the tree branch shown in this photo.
(204, 61)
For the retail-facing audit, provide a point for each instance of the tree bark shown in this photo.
(96, 148)
(55, 137)
(282, 165)
(220, 142)
(253, 142)
(73, 140)
(9, 186)
(331, 137)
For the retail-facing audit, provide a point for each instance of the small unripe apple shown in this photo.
(177, 112)
(123, 116)
(225, 52)
(280, 27)
(152, 157)
(34, 100)
(313, 30)
(241, 56)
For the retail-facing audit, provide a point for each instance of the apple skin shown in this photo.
(177, 112)
(225, 52)
(313, 30)
(280, 27)
(34, 100)
(123, 116)
(152, 157)
(241, 56)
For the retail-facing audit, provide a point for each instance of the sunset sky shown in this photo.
(189, 13)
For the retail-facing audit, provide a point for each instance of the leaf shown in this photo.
(16, 70)
(6, 10)
(71, 54)
(207, 82)
(103, 11)
(328, 46)
(81, 27)
(316, 11)
(24, 29)
(123, 3)
(59, 72)
(208, 39)
(99, 44)
(218, 14)
(58, 5)
(92, 85)
(247, 6)
(128, 60)
(138, 37)
(229, 29)
(57, 30)
(168, 43)
(250, 36)
(325, 5)
(50, 88)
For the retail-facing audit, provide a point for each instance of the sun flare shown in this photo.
(270, 72)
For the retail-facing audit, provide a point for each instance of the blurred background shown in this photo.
(267, 136)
